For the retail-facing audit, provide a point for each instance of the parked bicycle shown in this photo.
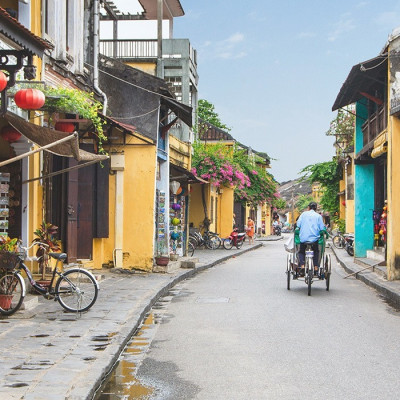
(76, 289)
(210, 240)
(344, 241)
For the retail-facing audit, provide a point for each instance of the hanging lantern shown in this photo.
(3, 81)
(29, 99)
(176, 206)
(64, 127)
(10, 134)
(174, 186)
(175, 221)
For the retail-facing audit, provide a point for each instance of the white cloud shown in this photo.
(226, 49)
(342, 27)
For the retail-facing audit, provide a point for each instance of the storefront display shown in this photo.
(4, 202)
(177, 217)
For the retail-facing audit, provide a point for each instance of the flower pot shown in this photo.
(162, 260)
(5, 301)
(173, 257)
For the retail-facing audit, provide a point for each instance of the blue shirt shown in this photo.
(310, 224)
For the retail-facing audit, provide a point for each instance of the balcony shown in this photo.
(129, 48)
(376, 123)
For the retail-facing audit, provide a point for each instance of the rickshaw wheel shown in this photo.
(328, 270)
(310, 272)
(288, 271)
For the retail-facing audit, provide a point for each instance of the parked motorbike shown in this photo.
(349, 243)
(234, 239)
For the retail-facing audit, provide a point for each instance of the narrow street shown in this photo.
(236, 332)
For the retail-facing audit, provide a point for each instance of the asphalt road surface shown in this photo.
(236, 332)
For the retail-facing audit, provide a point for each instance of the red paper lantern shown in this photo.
(3, 81)
(64, 127)
(29, 99)
(10, 134)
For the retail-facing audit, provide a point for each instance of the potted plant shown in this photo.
(161, 258)
(45, 234)
(7, 260)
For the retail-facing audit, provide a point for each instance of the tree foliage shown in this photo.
(328, 175)
(303, 201)
(206, 111)
(231, 167)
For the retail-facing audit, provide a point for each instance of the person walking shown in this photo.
(310, 224)
(250, 230)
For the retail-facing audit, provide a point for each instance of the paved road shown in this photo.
(235, 332)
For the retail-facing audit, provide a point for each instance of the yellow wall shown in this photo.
(393, 225)
(138, 209)
(179, 152)
(196, 211)
(148, 67)
(225, 212)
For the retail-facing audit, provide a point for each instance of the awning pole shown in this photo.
(62, 171)
(47, 146)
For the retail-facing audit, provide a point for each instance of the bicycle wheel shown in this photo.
(12, 292)
(190, 249)
(212, 242)
(288, 271)
(338, 241)
(76, 290)
(228, 243)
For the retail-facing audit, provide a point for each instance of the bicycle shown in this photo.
(76, 289)
(339, 240)
(210, 240)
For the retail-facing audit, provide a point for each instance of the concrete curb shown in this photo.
(126, 335)
(390, 290)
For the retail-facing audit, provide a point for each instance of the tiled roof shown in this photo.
(22, 36)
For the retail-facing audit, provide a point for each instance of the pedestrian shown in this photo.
(250, 230)
(311, 225)
(234, 221)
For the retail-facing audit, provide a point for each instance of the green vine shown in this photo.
(75, 101)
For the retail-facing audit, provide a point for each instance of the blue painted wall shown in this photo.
(363, 192)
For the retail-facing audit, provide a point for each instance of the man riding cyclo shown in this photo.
(310, 229)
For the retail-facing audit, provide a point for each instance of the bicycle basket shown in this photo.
(9, 260)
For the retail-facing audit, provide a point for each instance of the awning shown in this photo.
(366, 77)
(178, 173)
(172, 8)
(43, 136)
(182, 111)
(22, 36)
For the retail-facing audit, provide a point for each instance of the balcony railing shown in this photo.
(129, 48)
(376, 123)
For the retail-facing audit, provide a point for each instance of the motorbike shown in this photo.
(236, 238)
(277, 230)
(349, 243)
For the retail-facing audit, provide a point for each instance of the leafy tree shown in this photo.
(342, 127)
(328, 175)
(206, 111)
(303, 201)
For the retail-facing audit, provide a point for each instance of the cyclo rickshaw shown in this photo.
(309, 276)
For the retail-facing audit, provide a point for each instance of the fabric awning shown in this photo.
(179, 173)
(43, 136)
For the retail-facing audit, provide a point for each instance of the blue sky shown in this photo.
(273, 69)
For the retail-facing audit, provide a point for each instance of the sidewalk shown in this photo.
(374, 277)
(48, 354)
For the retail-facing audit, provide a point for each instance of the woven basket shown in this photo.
(9, 260)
